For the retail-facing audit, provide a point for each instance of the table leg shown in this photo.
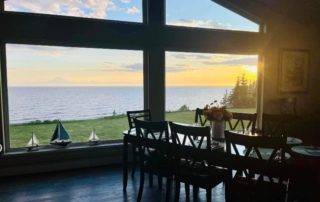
(125, 164)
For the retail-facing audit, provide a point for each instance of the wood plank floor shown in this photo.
(90, 184)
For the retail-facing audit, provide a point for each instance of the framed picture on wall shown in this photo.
(294, 71)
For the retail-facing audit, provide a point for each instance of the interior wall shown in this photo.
(283, 33)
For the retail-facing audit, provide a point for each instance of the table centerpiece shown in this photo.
(217, 115)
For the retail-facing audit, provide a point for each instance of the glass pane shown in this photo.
(123, 10)
(87, 89)
(196, 79)
(206, 14)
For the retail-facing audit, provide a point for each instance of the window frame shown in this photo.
(5, 103)
(152, 19)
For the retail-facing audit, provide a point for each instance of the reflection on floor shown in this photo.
(90, 184)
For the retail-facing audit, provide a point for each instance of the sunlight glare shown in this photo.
(251, 69)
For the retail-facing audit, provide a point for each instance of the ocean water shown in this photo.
(28, 104)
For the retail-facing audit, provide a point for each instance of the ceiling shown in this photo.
(306, 12)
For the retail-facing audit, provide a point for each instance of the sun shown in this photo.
(251, 69)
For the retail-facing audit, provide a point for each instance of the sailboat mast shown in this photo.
(59, 130)
(32, 141)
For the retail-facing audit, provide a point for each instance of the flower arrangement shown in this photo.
(215, 112)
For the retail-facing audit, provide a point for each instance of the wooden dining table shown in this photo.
(129, 137)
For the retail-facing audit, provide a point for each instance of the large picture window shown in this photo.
(123, 10)
(196, 79)
(86, 89)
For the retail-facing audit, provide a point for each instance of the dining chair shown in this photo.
(131, 115)
(256, 175)
(273, 125)
(279, 124)
(242, 121)
(154, 158)
(199, 117)
(192, 169)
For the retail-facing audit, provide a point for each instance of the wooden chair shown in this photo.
(199, 117)
(257, 177)
(273, 125)
(192, 169)
(138, 114)
(131, 115)
(154, 158)
(243, 122)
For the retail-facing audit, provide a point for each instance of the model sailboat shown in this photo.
(60, 136)
(33, 142)
(93, 138)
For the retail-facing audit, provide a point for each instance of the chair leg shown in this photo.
(208, 195)
(150, 180)
(177, 191)
(141, 185)
(159, 182)
(168, 191)
(187, 188)
(134, 161)
(195, 190)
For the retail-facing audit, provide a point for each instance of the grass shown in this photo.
(108, 128)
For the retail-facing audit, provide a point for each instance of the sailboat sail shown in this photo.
(33, 142)
(60, 136)
(93, 137)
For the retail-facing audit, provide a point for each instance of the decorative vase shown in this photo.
(217, 130)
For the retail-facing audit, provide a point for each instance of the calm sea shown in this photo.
(77, 103)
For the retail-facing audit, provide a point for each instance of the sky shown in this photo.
(30, 65)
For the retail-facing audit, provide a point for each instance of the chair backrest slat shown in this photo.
(277, 124)
(254, 160)
(242, 121)
(138, 114)
(199, 117)
(195, 136)
(148, 130)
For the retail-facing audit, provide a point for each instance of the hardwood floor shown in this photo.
(90, 184)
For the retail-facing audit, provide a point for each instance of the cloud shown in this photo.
(179, 68)
(242, 61)
(58, 81)
(191, 55)
(39, 50)
(137, 67)
(81, 8)
(133, 10)
(126, 1)
(201, 23)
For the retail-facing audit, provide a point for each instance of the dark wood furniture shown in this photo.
(256, 177)
(138, 114)
(242, 121)
(193, 169)
(153, 157)
(305, 184)
(131, 115)
(273, 124)
(199, 117)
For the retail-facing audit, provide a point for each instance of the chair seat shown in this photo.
(256, 190)
(158, 165)
(202, 178)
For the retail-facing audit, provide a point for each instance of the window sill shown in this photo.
(58, 149)
(48, 158)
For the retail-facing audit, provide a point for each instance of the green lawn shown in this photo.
(109, 128)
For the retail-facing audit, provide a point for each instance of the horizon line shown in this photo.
(112, 86)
